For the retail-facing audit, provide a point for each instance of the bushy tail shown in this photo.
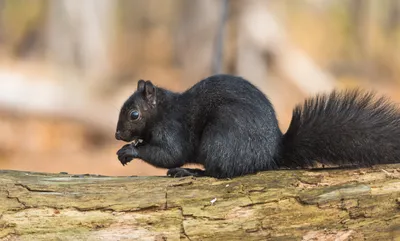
(342, 128)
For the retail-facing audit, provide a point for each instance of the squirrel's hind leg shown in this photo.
(184, 172)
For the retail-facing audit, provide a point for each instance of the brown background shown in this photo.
(67, 66)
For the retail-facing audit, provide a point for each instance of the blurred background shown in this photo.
(66, 66)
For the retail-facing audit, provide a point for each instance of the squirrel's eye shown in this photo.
(134, 115)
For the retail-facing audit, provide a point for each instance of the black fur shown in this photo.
(228, 125)
(343, 128)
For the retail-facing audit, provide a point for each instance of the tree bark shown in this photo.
(324, 204)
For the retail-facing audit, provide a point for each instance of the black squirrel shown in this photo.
(229, 126)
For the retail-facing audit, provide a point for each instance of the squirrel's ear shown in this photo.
(150, 92)
(140, 85)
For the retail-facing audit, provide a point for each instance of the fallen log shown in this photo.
(319, 204)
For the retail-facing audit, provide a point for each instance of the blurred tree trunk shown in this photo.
(2, 3)
(197, 33)
(361, 15)
(263, 46)
(259, 37)
(79, 34)
(393, 19)
(78, 44)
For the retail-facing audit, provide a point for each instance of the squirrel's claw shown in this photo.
(127, 153)
(184, 172)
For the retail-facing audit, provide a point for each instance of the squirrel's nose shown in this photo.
(118, 135)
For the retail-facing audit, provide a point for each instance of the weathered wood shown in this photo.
(276, 205)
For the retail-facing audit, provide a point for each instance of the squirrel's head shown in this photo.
(136, 111)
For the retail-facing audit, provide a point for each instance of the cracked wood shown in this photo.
(325, 204)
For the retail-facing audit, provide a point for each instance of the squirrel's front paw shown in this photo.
(127, 153)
